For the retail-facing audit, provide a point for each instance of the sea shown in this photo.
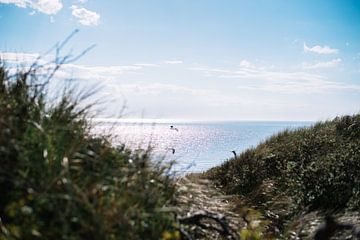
(194, 146)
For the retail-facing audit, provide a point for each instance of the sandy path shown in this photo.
(201, 195)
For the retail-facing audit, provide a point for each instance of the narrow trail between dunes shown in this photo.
(198, 195)
(201, 195)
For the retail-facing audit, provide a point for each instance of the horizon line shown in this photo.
(189, 120)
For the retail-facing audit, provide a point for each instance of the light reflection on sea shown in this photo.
(198, 145)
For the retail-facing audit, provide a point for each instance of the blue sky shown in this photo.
(203, 59)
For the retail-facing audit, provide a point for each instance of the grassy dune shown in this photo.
(318, 167)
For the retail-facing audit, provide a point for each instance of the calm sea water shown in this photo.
(198, 146)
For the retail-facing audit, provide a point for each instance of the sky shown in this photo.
(199, 59)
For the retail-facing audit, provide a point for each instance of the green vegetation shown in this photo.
(317, 167)
(58, 181)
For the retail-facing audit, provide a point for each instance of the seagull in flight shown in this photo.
(172, 150)
(173, 128)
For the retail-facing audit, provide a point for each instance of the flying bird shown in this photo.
(172, 150)
(234, 154)
(173, 128)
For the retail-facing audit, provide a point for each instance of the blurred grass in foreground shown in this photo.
(58, 181)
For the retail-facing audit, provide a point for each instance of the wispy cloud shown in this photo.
(329, 64)
(210, 97)
(102, 73)
(257, 73)
(173, 62)
(18, 3)
(75, 71)
(320, 49)
(49, 7)
(146, 64)
(246, 64)
(307, 87)
(279, 81)
(22, 58)
(84, 16)
(251, 78)
(111, 74)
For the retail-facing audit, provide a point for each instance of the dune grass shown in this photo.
(317, 166)
(58, 181)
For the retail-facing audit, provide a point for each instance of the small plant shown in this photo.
(256, 226)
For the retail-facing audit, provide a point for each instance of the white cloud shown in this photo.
(84, 16)
(49, 7)
(146, 64)
(329, 64)
(173, 62)
(307, 87)
(109, 77)
(18, 3)
(210, 97)
(21, 58)
(320, 49)
(102, 73)
(246, 64)
(286, 82)
(258, 73)
(255, 80)
(75, 71)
